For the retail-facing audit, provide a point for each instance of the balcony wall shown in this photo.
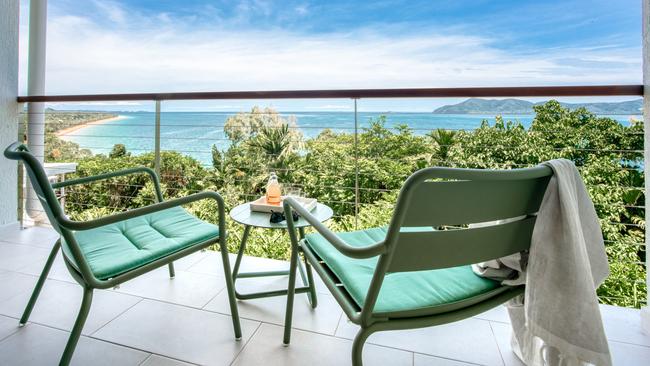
(8, 106)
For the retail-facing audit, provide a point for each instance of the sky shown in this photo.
(130, 46)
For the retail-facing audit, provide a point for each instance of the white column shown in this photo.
(8, 108)
(36, 86)
(645, 312)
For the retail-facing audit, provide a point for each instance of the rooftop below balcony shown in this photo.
(155, 320)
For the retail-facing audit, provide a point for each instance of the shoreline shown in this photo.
(71, 129)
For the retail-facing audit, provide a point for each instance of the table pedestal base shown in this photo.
(305, 274)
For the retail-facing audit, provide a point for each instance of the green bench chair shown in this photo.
(108, 251)
(414, 273)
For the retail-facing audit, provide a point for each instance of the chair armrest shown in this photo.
(346, 249)
(119, 173)
(111, 219)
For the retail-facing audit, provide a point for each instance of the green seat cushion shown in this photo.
(117, 248)
(402, 293)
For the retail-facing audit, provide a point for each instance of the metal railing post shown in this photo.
(645, 312)
(356, 166)
(156, 159)
(22, 137)
(21, 195)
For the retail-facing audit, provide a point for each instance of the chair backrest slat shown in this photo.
(422, 250)
(472, 201)
(503, 202)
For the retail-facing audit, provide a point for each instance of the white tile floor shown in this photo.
(157, 321)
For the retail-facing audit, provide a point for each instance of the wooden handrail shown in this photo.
(518, 91)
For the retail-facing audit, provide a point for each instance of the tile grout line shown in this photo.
(54, 239)
(446, 358)
(628, 343)
(131, 347)
(2, 241)
(90, 336)
(117, 316)
(146, 359)
(64, 282)
(199, 307)
(16, 329)
(492, 320)
(380, 345)
(10, 298)
(83, 336)
(17, 270)
(494, 337)
(250, 339)
(68, 330)
(280, 323)
(396, 348)
(167, 301)
(259, 325)
(367, 342)
(212, 298)
(152, 354)
(204, 256)
(338, 323)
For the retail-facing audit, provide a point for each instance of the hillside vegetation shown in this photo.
(518, 106)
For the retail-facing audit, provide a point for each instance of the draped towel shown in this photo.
(557, 321)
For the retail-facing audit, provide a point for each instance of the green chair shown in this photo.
(417, 271)
(108, 251)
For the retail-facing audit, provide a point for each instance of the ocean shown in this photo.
(194, 133)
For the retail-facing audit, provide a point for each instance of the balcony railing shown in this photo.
(358, 166)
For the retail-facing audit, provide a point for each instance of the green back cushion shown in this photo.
(400, 291)
(123, 246)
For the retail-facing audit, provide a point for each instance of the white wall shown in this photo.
(8, 107)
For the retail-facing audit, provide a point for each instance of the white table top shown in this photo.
(243, 215)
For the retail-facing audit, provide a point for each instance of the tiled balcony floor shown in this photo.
(157, 321)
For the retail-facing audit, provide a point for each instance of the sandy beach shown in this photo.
(69, 130)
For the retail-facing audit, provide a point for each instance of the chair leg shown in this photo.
(357, 346)
(230, 287)
(293, 265)
(39, 283)
(312, 286)
(78, 327)
(313, 300)
(172, 273)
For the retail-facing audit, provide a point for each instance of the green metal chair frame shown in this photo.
(465, 196)
(79, 267)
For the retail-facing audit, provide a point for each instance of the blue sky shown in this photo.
(146, 45)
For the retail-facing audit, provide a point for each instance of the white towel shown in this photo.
(558, 322)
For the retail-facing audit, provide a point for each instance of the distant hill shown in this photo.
(518, 106)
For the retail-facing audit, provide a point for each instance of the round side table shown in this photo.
(243, 215)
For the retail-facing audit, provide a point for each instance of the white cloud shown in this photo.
(171, 55)
(302, 9)
(112, 10)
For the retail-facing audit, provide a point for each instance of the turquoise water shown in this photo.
(194, 133)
